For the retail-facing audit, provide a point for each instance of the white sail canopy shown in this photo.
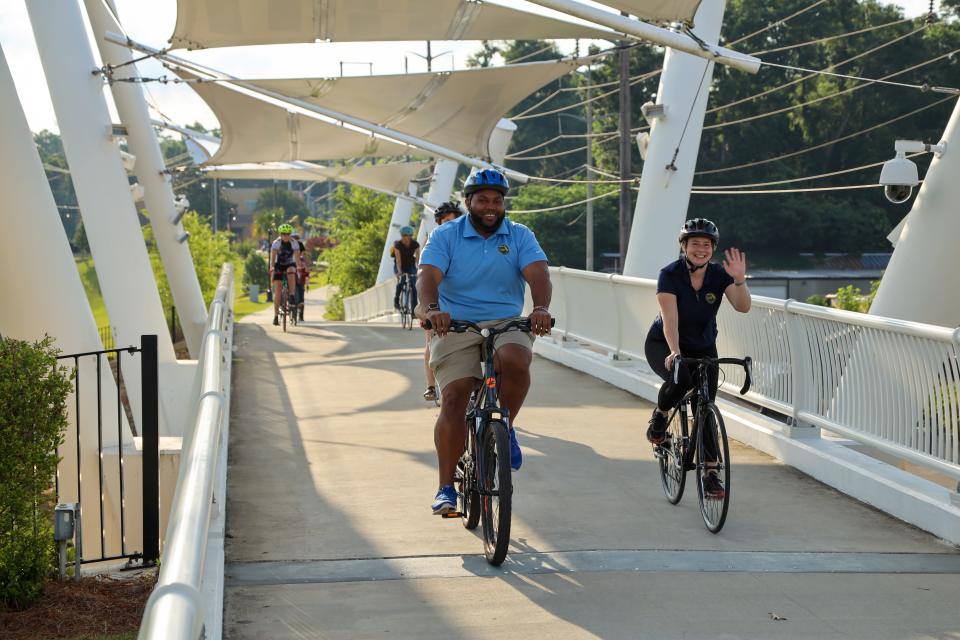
(392, 177)
(657, 10)
(457, 110)
(229, 23)
(257, 131)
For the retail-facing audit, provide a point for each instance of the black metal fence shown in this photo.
(114, 358)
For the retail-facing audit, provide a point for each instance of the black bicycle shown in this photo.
(705, 449)
(286, 308)
(406, 308)
(482, 478)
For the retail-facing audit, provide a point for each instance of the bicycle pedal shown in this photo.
(452, 514)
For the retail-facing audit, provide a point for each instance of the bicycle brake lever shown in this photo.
(748, 368)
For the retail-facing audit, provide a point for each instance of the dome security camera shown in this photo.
(899, 176)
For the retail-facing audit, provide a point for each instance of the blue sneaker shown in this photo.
(446, 500)
(516, 456)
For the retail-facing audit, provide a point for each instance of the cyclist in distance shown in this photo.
(303, 273)
(406, 253)
(476, 268)
(444, 213)
(689, 293)
(284, 258)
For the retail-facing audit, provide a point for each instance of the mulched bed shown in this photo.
(95, 606)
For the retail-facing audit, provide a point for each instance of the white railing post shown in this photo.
(802, 394)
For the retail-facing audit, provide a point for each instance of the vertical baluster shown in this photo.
(103, 550)
(123, 535)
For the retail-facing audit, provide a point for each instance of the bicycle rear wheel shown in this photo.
(713, 452)
(670, 456)
(496, 491)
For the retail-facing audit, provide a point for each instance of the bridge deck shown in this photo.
(332, 470)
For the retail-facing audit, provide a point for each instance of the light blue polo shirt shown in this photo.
(482, 277)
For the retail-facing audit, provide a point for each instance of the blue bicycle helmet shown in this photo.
(485, 179)
(406, 231)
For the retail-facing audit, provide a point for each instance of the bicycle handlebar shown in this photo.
(515, 324)
(746, 363)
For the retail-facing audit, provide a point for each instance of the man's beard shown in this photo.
(478, 221)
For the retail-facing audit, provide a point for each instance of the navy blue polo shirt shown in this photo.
(482, 277)
(696, 310)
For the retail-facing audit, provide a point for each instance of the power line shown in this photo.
(777, 23)
(867, 82)
(824, 144)
(707, 192)
(848, 34)
(567, 206)
(815, 73)
(819, 176)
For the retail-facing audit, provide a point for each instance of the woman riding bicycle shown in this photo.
(689, 294)
(444, 213)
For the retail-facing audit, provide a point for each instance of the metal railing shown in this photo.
(149, 394)
(375, 302)
(177, 606)
(887, 383)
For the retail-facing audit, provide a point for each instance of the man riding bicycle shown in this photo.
(689, 293)
(284, 258)
(475, 268)
(444, 213)
(406, 253)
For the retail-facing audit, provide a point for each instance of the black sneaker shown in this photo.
(712, 487)
(657, 431)
(276, 321)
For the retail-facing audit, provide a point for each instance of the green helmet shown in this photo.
(285, 228)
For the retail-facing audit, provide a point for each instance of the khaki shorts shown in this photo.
(457, 355)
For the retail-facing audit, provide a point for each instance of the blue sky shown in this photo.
(152, 23)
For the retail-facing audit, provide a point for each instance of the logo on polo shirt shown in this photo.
(504, 249)
(711, 297)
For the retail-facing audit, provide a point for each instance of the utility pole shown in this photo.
(216, 204)
(589, 261)
(429, 58)
(626, 216)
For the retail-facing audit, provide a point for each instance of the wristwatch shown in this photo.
(433, 306)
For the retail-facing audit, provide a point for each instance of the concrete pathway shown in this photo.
(332, 470)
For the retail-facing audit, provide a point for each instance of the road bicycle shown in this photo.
(705, 448)
(286, 309)
(482, 478)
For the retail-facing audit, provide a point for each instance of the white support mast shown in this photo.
(916, 284)
(150, 171)
(671, 156)
(109, 213)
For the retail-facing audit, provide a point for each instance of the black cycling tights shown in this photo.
(670, 394)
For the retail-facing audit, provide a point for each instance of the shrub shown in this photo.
(33, 419)
(255, 271)
(820, 301)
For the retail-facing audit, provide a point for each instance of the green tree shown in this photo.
(290, 203)
(33, 419)
(210, 251)
(79, 242)
(359, 228)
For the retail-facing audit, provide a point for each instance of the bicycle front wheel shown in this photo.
(713, 457)
(283, 309)
(670, 456)
(496, 491)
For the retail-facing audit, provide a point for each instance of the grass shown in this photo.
(88, 276)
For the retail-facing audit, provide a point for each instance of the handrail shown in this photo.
(175, 610)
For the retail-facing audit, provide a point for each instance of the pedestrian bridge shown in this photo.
(843, 514)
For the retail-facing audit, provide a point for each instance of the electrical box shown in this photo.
(64, 521)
